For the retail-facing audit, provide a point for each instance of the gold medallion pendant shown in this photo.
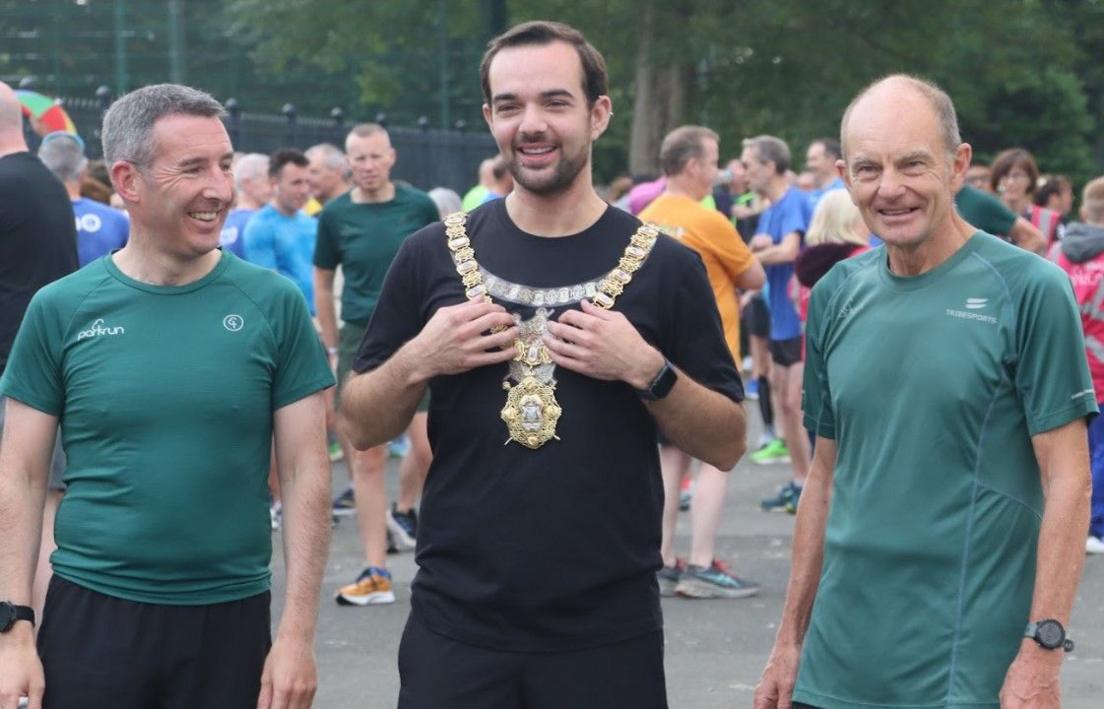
(531, 411)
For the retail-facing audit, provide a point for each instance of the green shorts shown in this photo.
(349, 341)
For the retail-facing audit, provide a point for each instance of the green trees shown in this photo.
(1021, 72)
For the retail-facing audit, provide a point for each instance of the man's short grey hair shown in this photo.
(128, 124)
(250, 167)
(64, 157)
(682, 145)
(936, 97)
(771, 149)
(333, 157)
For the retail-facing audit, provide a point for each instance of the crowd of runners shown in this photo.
(195, 306)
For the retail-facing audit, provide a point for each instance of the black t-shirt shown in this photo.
(555, 548)
(38, 238)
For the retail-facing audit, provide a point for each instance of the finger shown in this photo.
(303, 698)
(279, 698)
(35, 694)
(264, 701)
(567, 349)
(591, 309)
(486, 359)
(579, 319)
(487, 322)
(498, 340)
(570, 333)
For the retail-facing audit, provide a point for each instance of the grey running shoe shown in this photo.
(714, 582)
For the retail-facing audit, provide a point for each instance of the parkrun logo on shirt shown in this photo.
(98, 329)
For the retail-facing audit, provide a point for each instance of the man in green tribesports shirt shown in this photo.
(361, 231)
(939, 540)
(172, 367)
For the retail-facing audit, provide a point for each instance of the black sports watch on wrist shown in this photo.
(662, 385)
(1050, 634)
(9, 613)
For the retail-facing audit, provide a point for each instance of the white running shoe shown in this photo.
(1094, 545)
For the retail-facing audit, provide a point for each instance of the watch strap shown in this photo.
(17, 613)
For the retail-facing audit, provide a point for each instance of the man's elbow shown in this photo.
(355, 434)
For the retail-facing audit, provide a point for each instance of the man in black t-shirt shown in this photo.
(572, 333)
(38, 245)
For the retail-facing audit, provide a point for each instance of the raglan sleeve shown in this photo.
(816, 394)
(33, 374)
(1052, 369)
(302, 367)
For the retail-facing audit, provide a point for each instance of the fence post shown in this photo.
(233, 113)
(103, 95)
(381, 119)
(460, 125)
(290, 114)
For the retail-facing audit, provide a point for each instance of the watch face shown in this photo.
(1050, 633)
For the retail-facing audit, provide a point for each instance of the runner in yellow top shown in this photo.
(689, 160)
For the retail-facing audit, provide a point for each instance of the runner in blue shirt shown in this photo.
(253, 190)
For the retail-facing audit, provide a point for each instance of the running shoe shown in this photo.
(1094, 545)
(751, 389)
(668, 578)
(399, 447)
(686, 493)
(774, 452)
(785, 500)
(716, 581)
(372, 587)
(344, 505)
(336, 454)
(403, 526)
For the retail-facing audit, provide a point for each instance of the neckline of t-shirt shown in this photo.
(913, 282)
(399, 190)
(502, 217)
(126, 280)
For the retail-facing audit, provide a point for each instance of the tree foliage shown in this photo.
(1021, 72)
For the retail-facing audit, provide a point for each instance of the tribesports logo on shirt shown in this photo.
(973, 304)
(98, 329)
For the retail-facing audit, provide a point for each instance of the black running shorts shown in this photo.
(438, 672)
(786, 353)
(101, 652)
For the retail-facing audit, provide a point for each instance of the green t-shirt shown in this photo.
(166, 398)
(984, 211)
(932, 387)
(363, 239)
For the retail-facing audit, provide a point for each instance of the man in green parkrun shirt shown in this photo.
(941, 530)
(361, 231)
(171, 365)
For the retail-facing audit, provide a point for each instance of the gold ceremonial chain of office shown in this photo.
(531, 411)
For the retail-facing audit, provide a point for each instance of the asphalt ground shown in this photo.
(715, 649)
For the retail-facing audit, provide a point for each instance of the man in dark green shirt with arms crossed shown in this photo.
(173, 367)
(942, 526)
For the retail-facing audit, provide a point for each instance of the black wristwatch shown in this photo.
(662, 385)
(1049, 634)
(10, 613)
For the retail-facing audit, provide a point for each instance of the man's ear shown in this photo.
(124, 178)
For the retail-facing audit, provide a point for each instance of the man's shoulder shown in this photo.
(413, 195)
(68, 292)
(262, 285)
(1017, 268)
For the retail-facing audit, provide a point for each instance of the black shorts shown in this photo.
(786, 353)
(102, 652)
(438, 672)
(756, 317)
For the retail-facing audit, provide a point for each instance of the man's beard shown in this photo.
(562, 177)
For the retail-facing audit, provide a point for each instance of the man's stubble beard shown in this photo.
(562, 178)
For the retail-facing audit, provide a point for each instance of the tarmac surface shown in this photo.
(715, 649)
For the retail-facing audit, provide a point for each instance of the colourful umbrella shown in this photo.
(46, 114)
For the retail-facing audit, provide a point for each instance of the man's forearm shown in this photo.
(703, 423)
(327, 317)
(774, 255)
(21, 504)
(1061, 554)
(305, 491)
(377, 406)
(808, 552)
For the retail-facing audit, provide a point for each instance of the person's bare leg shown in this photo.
(414, 465)
(705, 515)
(787, 385)
(366, 468)
(46, 547)
(673, 464)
